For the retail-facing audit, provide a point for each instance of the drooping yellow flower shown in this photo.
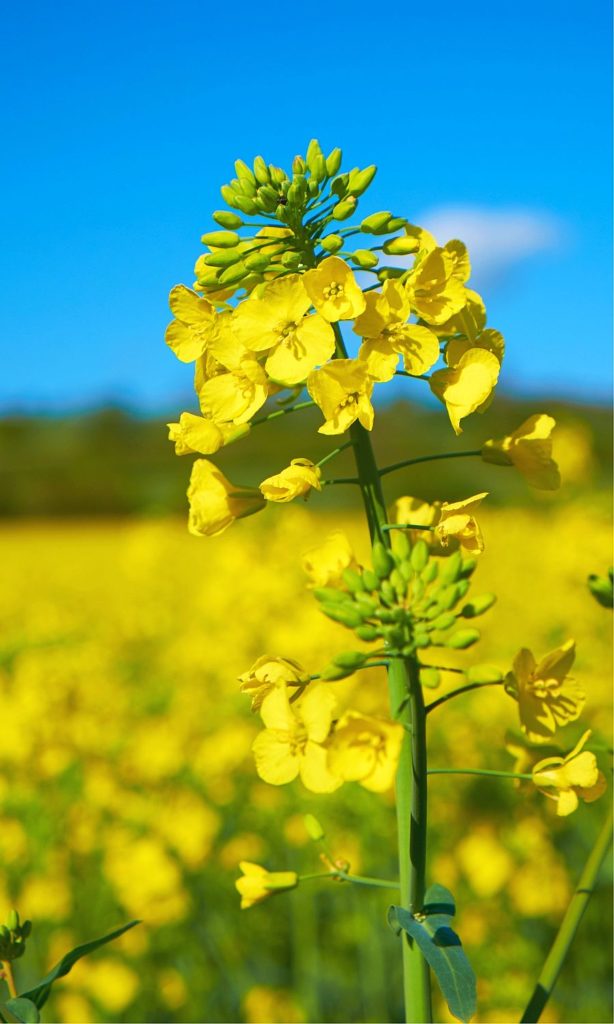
(333, 290)
(386, 334)
(466, 386)
(469, 322)
(456, 520)
(256, 883)
(529, 448)
(199, 434)
(277, 323)
(435, 287)
(490, 340)
(343, 391)
(215, 503)
(295, 481)
(546, 696)
(190, 332)
(266, 673)
(564, 779)
(366, 750)
(325, 564)
(293, 742)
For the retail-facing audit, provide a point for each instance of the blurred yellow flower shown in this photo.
(529, 448)
(110, 982)
(266, 1005)
(325, 564)
(198, 434)
(268, 672)
(189, 334)
(456, 521)
(292, 742)
(484, 861)
(435, 286)
(215, 503)
(564, 779)
(366, 750)
(386, 334)
(466, 386)
(333, 290)
(256, 883)
(546, 696)
(343, 390)
(295, 481)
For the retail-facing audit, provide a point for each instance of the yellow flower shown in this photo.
(295, 481)
(546, 697)
(386, 333)
(235, 396)
(469, 322)
(292, 742)
(256, 883)
(529, 448)
(198, 434)
(466, 386)
(333, 290)
(343, 390)
(366, 750)
(215, 503)
(435, 286)
(456, 520)
(277, 324)
(268, 672)
(325, 564)
(564, 779)
(189, 334)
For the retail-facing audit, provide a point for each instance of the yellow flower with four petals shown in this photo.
(297, 480)
(547, 697)
(565, 779)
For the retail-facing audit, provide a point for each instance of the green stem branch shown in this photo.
(283, 412)
(7, 971)
(479, 771)
(455, 693)
(427, 458)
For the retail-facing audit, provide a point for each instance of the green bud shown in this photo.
(228, 220)
(344, 209)
(484, 674)
(463, 587)
(224, 258)
(370, 580)
(339, 185)
(257, 261)
(267, 197)
(350, 659)
(367, 632)
(390, 273)
(298, 165)
(333, 162)
(318, 169)
(419, 556)
(387, 592)
(5, 933)
(401, 246)
(313, 187)
(463, 638)
(12, 921)
(416, 589)
(478, 605)
(332, 673)
(401, 547)
(468, 567)
(382, 560)
(313, 150)
(444, 621)
(430, 571)
(330, 594)
(221, 239)
(450, 569)
(292, 260)
(278, 175)
(364, 258)
(228, 195)
(396, 223)
(245, 186)
(313, 828)
(429, 677)
(246, 205)
(364, 601)
(347, 615)
(332, 243)
(26, 929)
(360, 180)
(297, 193)
(352, 580)
(601, 589)
(422, 640)
(261, 171)
(376, 223)
(399, 584)
(234, 274)
(243, 171)
(385, 615)
(448, 597)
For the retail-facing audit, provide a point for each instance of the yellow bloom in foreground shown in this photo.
(268, 672)
(325, 564)
(333, 290)
(236, 395)
(198, 434)
(386, 333)
(366, 750)
(215, 503)
(292, 743)
(189, 334)
(295, 481)
(456, 520)
(546, 697)
(564, 779)
(343, 391)
(257, 883)
(529, 448)
(466, 386)
(435, 287)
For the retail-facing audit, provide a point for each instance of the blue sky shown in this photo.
(125, 118)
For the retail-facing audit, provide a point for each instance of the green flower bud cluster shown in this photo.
(409, 600)
(13, 937)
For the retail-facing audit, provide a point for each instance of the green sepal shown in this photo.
(23, 1010)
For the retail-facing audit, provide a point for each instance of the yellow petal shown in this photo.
(276, 762)
(189, 307)
(315, 772)
(466, 386)
(316, 711)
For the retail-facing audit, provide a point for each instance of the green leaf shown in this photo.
(442, 949)
(40, 993)
(24, 1010)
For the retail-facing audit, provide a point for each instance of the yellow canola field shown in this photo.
(127, 787)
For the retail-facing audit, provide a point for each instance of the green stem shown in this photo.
(462, 689)
(406, 526)
(479, 771)
(283, 412)
(378, 883)
(427, 458)
(340, 480)
(569, 926)
(7, 970)
(336, 451)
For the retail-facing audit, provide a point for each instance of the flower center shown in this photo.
(544, 688)
(331, 291)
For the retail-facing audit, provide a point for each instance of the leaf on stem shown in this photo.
(23, 1010)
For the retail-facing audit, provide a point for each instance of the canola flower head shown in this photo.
(569, 779)
(342, 389)
(529, 449)
(215, 503)
(266, 673)
(365, 749)
(547, 697)
(189, 333)
(257, 884)
(325, 564)
(456, 520)
(293, 742)
(465, 387)
(334, 291)
(297, 480)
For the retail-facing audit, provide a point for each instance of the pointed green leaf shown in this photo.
(24, 1010)
(40, 993)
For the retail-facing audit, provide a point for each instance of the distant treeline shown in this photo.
(110, 462)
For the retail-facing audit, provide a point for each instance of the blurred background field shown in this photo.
(127, 787)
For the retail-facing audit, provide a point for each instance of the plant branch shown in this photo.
(427, 458)
(455, 693)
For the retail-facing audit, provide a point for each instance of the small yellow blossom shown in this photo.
(468, 323)
(256, 883)
(546, 696)
(292, 742)
(325, 564)
(366, 750)
(343, 391)
(266, 673)
(434, 286)
(236, 395)
(199, 434)
(295, 481)
(333, 290)
(456, 520)
(466, 386)
(190, 332)
(386, 334)
(215, 503)
(564, 779)
(529, 448)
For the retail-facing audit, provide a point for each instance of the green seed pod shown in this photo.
(429, 677)
(484, 674)
(367, 632)
(221, 239)
(430, 572)
(332, 673)
(360, 180)
(333, 162)
(339, 186)
(352, 580)
(332, 243)
(350, 659)
(246, 205)
(277, 175)
(448, 597)
(313, 828)
(234, 274)
(376, 223)
(243, 171)
(224, 258)
(228, 195)
(370, 580)
(364, 258)
(401, 547)
(396, 223)
(331, 595)
(227, 220)
(401, 246)
(344, 209)
(468, 567)
(261, 171)
(381, 559)
(463, 638)
(399, 584)
(347, 615)
(478, 605)
(450, 568)
(258, 261)
(444, 621)
(419, 555)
